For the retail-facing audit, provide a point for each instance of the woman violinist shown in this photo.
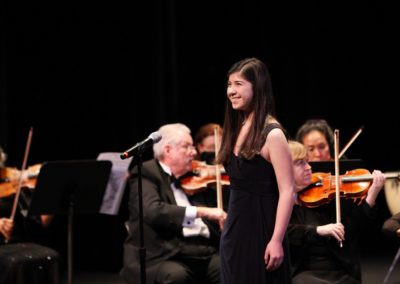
(21, 255)
(6, 224)
(314, 234)
(204, 141)
(317, 136)
(19, 228)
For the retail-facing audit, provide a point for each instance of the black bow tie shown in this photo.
(175, 181)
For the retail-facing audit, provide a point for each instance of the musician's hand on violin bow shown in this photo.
(214, 214)
(335, 230)
(6, 227)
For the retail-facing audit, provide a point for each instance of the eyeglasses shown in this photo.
(187, 147)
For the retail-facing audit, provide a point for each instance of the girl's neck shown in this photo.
(247, 118)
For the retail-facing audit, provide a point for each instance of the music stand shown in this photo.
(395, 260)
(329, 166)
(70, 187)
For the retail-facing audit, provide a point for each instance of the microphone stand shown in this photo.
(137, 160)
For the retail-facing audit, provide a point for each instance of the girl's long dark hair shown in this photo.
(256, 72)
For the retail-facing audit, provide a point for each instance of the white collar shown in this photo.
(165, 168)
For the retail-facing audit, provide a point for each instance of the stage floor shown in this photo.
(374, 269)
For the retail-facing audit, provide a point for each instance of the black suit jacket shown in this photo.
(162, 223)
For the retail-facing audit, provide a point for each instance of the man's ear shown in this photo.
(167, 149)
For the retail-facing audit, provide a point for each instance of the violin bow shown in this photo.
(18, 190)
(217, 169)
(351, 141)
(337, 183)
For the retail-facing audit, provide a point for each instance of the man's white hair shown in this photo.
(170, 134)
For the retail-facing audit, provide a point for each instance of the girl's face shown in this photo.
(240, 92)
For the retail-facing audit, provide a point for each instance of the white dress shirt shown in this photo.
(192, 226)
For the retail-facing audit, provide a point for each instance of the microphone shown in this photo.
(153, 138)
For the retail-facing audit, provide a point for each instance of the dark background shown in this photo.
(100, 76)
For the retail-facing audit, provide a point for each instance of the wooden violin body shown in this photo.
(202, 176)
(354, 184)
(9, 179)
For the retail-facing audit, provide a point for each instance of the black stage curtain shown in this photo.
(98, 77)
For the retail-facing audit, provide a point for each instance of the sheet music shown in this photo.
(116, 183)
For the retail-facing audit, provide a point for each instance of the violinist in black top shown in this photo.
(204, 141)
(315, 236)
(6, 224)
(22, 227)
(17, 229)
(21, 255)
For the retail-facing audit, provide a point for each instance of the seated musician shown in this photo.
(22, 227)
(6, 224)
(315, 235)
(317, 136)
(20, 254)
(204, 141)
(180, 246)
(9, 231)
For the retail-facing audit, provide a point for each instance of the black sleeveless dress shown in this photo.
(250, 224)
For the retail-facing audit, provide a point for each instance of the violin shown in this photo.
(353, 184)
(9, 179)
(201, 177)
